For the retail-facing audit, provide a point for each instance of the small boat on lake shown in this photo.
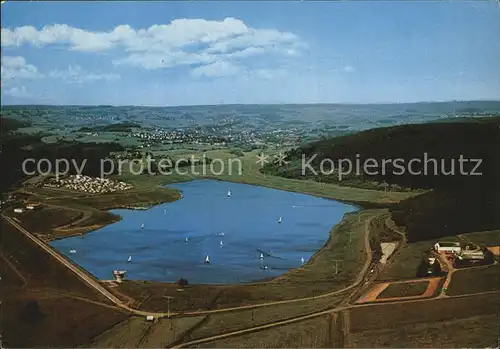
(142, 226)
(261, 256)
(221, 244)
(129, 259)
(302, 260)
(229, 193)
(187, 239)
(72, 251)
(279, 220)
(207, 259)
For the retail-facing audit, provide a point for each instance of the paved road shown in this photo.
(119, 303)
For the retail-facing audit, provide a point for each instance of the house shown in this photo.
(119, 275)
(448, 247)
(32, 206)
(471, 252)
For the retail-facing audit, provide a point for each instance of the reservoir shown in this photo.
(237, 225)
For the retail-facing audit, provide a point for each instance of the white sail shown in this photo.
(72, 251)
(187, 239)
(221, 244)
(229, 193)
(129, 258)
(142, 226)
(302, 260)
(261, 256)
(207, 259)
(279, 220)
(222, 234)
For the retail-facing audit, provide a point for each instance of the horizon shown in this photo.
(177, 54)
(246, 104)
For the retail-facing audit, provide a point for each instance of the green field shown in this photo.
(485, 238)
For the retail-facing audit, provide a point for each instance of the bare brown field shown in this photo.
(136, 332)
(475, 280)
(473, 332)
(39, 268)
(11, 277)
(406, 289)
(389, 316)
(314, 333)
(165, 331)
(151, 296)
(60, 322)
(126, 334)
(216, 324)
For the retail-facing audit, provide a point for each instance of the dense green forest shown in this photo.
(459, 202)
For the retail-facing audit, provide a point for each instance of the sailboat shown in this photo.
(264, 266)
(72, 251)
(261, 256)
(229, 193)
(142, 226)
(129, 258)
(221, 234)
(221, 244)
(187, 239)
(279, 220)
(165, 211)
(207, 259)
(302, 260)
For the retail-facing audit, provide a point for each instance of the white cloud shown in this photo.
(349, 69)
(15, 71)
(223, 69)
(15, 68)
(181, 42)
(216, 69)
(75, 74)
(16, 91)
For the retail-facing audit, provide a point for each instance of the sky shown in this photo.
(235, 52)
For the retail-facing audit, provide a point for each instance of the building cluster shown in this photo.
(150, 137)
(87, 184)
(454, 250)
(218, 135)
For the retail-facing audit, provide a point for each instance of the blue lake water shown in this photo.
(248, 219)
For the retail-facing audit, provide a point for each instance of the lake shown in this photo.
(232, 230)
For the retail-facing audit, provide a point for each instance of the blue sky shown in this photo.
(189, 53)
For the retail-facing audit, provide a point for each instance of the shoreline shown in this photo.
(360, 208)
